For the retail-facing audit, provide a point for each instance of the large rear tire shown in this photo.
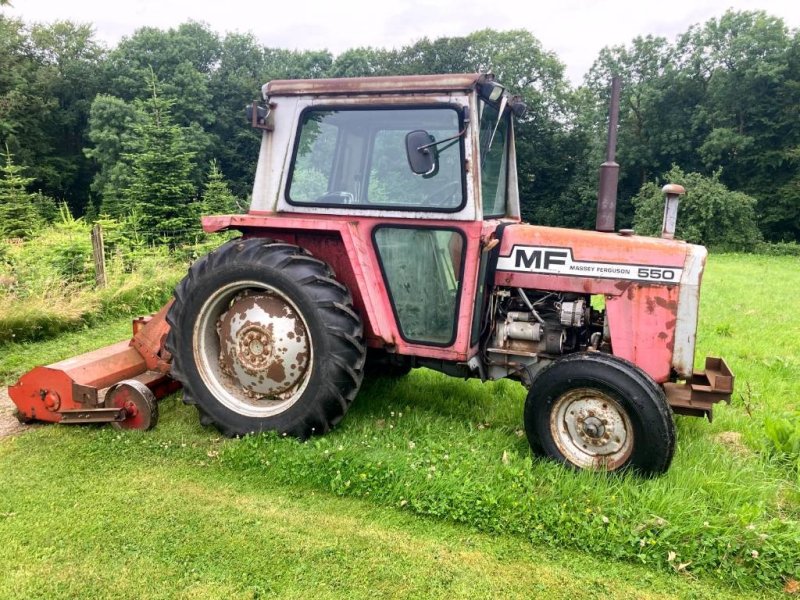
(599, 412)
(263, 337)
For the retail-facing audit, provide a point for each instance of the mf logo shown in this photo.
(539, 259)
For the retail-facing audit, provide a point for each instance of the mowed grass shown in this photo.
(435, 447)
(160, 516)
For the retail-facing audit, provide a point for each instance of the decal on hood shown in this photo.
(558, 261)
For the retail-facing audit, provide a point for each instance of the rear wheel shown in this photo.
(599, 412)
(264, 338)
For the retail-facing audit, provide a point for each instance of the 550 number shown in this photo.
(656, 274)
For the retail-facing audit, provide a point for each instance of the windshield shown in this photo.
(357, 157)
(494, 157)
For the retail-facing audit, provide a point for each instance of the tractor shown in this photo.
(384, 235)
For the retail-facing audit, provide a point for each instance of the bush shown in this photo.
(709, 213)
(778, 249)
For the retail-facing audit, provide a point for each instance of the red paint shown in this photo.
(44, 392)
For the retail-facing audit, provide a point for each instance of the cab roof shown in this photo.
(459, 82)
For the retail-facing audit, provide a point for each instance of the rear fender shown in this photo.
(346, 245)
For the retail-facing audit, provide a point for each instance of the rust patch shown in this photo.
(276, 372)
(622, 285)
(670, 305)
(663, 335)
(374, 85)
(651, 306)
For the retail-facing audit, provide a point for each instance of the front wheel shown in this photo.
(598, 412)
(263, 337)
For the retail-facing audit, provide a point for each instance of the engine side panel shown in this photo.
(639, 277)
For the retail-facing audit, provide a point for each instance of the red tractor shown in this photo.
(384, 234)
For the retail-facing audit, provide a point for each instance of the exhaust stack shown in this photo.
(609, 170)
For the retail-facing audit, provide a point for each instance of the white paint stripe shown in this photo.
(559, 261)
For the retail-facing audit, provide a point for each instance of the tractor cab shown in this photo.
(438, 147)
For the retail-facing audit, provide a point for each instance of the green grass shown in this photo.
(445, 450)
(90, 513)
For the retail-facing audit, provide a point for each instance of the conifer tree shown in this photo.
(217, 196)
(17, 213)
(160, 189)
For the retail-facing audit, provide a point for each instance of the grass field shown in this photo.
(427, 489)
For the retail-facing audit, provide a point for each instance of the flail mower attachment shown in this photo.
(134, 374)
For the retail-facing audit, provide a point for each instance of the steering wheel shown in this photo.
(442, 195)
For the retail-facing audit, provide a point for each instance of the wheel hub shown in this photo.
(264, 345)
(591, 429)
(254, 347)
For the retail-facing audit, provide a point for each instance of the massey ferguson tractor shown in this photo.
(384, 234)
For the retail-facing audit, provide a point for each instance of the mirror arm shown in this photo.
(437, 142)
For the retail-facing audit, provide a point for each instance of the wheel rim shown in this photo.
(591, 429)
(252, 348)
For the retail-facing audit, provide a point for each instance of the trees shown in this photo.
(217, 197)
(724, 94)
(160, 189)
(18, 216)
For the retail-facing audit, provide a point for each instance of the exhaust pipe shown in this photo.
(673, 192)
(609, 170)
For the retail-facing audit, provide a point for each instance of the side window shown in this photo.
(494, 157)
(314, 160)
(358, 157)
(422, 269)
(391, 181)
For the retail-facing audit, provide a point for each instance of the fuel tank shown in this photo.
(650, 286)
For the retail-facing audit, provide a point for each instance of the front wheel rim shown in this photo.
(591, 429)
(253, 348)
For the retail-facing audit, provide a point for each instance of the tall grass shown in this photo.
(47, 283)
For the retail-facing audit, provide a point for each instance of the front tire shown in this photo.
(599, 412)
(263, 337)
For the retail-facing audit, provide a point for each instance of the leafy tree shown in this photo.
(183, 60)
(17, 213)
(67, 60)
(160, 188)
(709, 213)
(234, 83)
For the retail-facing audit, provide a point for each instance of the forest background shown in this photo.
(151, 133)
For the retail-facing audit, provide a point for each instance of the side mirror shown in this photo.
(421, 152)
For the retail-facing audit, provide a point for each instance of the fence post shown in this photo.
(99, 255)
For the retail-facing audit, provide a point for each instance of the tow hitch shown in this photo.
(697, 396)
